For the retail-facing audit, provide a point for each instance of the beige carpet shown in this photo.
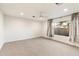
(38, 47)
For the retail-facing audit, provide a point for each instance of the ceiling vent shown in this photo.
(58, 4)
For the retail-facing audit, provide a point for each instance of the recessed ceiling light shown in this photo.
(21, 13)
(41, 17)
(65, 9)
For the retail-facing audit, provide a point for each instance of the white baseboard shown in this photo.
(23, 39)
(33, 37)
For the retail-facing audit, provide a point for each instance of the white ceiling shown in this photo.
(50, 10)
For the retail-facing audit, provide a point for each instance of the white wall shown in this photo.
(1, 30)
(18, 28)
(44, 28)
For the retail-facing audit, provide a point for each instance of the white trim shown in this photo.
(23, 39)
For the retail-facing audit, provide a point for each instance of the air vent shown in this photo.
(58, 4)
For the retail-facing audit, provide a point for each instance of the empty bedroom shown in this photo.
(39, 29)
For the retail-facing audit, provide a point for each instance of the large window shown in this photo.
(61, 28)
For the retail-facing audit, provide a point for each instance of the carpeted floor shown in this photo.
(38, 47)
